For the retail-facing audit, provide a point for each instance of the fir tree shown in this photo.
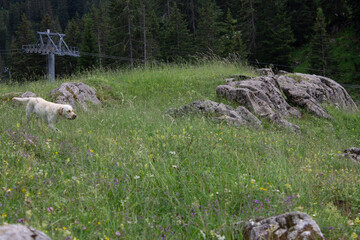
(208, 32)
(87, 47)
(24, 66)
(319, 45)
(73, 38)
(274, 34)
(176, 39)
(231, 40)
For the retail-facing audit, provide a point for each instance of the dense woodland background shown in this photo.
(312, 36)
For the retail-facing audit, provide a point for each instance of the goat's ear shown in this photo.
(60, 111)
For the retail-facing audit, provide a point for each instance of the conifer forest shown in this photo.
(310, 36)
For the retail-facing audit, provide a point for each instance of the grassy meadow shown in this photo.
(127, 171)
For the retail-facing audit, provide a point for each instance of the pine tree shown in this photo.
(231, 40)
(302, 15)
(125, 29)
(100, 30)
(175, 39)
(26, 66)
(208, 31)
(46, 23)
(319, 45)
(274, 35)
(73, 32)
(87, 47)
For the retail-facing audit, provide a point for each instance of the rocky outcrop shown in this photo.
(75, 93)
(262, 96)
(352, 153)
(310, 91)
(288, 226)
(219, 112)
(21, 232)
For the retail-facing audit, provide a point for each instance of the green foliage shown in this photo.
(88, 45)
(126, 170)
(319, 44)
(231, 40)
(207, 36)
(133, 32)
(25, 66)
(176, 40)
(274, 34)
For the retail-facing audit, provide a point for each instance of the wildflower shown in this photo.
(106, 238)
(4, 215)
(99, 223)
(174, 166)
(172, 152)
(83, 228)
(353, 235)
(203, 234)
(9, 190)
(91, 150)
(50, 209)
(117, 234)
(252, 181)
(136, 177)
(219, 237)
(263, 189)
(21, 220)
(64, 228)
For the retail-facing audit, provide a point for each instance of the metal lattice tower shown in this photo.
(51, 44)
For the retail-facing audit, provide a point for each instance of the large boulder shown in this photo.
(219, 112)
(288, 226)
(21, 232)
(310, 91)
(75, 93)
(262, 96)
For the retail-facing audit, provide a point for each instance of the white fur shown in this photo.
(48, 111)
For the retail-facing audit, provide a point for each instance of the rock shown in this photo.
(27, 94)
(76, 92)
(9, 96)
(352, 153)
(262, 96)
(218, 111)
(21, 232)
(265, 71)
(288, 226)
(310, 91)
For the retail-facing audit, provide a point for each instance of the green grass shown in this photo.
(127, 171)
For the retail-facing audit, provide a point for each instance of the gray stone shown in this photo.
(27, 94)
(352, 153)
(310, 91)
(10, 95)
(75, 93)
(288, 226)
(21, 232)
(262, 96)
(219, 112)
(265, 71)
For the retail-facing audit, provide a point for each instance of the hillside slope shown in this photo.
(127, 171)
